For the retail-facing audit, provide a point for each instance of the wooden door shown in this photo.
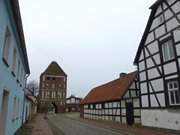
(129, 113)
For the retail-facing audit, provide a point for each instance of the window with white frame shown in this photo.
(168, 50)
(173, 92)
(14, 61)
(7, 45)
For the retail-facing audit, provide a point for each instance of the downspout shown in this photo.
(27, 75)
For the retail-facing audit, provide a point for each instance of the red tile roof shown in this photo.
(110, 91)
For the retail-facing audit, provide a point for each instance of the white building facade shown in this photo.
(158, 61)
(116, 101)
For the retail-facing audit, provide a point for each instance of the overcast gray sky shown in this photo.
(92, 40)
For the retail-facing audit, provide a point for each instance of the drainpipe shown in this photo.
(27, 75)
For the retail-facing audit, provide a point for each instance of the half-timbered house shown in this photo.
(73, 104)
(117, 100)
(158, 61)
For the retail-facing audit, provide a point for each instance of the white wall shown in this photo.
(169, 119)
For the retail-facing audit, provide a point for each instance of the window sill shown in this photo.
(12, 72)
(168, 61)
(173, 106)
(5, 62)
(17, 81)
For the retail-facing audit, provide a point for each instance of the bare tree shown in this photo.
(33, 87)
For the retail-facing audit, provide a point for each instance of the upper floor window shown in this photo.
(53, 86)
(7, 44)
(18, 72)
(173, 92)
(14, 61)
(168, 50)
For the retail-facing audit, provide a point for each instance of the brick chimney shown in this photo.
(122, 74)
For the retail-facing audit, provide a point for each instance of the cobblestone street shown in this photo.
(71, 124)
(68, 126)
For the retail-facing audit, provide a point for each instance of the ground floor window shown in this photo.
(173, 92)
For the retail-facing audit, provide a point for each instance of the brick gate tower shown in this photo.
(52, 89)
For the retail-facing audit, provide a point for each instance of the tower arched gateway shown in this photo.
(52, 92)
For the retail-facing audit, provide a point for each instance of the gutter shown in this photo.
(27, 75)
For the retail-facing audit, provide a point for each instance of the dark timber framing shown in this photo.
(115, 110)
(153, 71)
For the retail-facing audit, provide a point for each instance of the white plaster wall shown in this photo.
(153, 73)
(110, 105)
(146, 53)
(158, 85)
(159, 10)
(136, 103)
(150, 38)
(160, 31)
(168, 14)
(170, 2)
(124, 120)
(169, 119)
(117, 119)
(155, 23)
(142, 76)
(176, 7)
(132, 86)
(122, 103)
(144, 101)
(123, 111)
(115, 104)
(150, 62)
(176, 34)
(154, 102)
(161, 99)
(141, 56)
(157, 58)
(137, 112)
(171, 24)
(143, 87)
(170, 68)
(153, 47)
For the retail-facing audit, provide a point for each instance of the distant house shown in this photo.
(30, 105)
(158, 61)
(117, 100)
(73, 104)
(14, 67)
(52, 89)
